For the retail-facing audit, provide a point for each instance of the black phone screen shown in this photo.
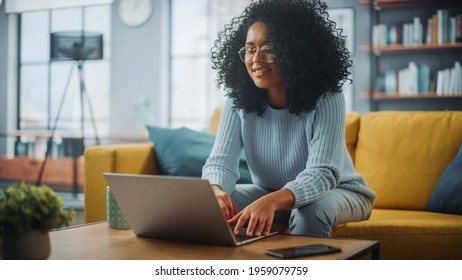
(302, 251)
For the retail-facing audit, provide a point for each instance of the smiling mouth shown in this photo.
(260, 72)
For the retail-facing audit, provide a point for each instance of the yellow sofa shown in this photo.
(400, 154)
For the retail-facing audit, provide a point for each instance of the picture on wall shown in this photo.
(344, 17)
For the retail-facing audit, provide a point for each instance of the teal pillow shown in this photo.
(183, 152)
(447, 196)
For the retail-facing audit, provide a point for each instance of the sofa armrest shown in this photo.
(121, 158)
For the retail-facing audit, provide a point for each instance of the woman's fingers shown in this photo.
(227, 205)
(234, 208)
(240, 221)
(234, 219)
(224, 208)
(258, 216)
(260, 228)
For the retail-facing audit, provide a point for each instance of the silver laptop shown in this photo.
(177, 208)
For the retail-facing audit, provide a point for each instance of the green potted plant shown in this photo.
(27, 214)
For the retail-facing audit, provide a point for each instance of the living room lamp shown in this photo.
(76, 46)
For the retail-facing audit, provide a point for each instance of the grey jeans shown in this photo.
(315, 219)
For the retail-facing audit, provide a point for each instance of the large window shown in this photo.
(195, 25)
(43, 82)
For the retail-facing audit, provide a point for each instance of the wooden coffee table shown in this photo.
(98, 242)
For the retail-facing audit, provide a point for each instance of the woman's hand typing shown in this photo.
(227, 205)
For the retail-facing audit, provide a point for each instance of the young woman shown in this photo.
(282, 64)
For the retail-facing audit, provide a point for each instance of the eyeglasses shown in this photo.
(248, 53)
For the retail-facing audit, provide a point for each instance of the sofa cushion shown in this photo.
(403, 154)
(447, 196)
(183, 152)
(406, 234)
(117, 158)
(351, 132)
(215, 121)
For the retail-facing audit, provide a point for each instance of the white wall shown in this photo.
(139, 68)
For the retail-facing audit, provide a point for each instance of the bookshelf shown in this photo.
(400, 48)
(415, 59)
(425, 95)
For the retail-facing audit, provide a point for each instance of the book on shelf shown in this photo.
(413, 76)
(393, 36)
(459, 28)
(434, 30)
(379, 35)
(415, 80)
(452, 30)
(442, 25)
(417, 30)
(424, 79)
(388, 83)
(429, 31)
(449, 81)
(440, 28)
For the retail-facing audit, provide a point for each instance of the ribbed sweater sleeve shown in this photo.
(326, 151)
(221, 168)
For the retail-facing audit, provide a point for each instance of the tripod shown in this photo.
(83, 96)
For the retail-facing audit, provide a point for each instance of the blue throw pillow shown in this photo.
(183, 152)
(447, 196)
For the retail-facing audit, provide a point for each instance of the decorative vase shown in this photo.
(34, 245)
(115, 217)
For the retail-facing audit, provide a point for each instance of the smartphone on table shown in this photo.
(303, 251)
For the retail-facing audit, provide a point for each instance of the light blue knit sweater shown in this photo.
(305, 153)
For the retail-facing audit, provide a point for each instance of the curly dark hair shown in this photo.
(310, 54)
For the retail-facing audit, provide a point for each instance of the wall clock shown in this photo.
(134, 13)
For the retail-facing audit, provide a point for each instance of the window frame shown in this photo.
(47, 122)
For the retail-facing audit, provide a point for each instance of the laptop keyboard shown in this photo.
(242, 235)
(240, 238)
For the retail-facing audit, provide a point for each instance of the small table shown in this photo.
(97, 242)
